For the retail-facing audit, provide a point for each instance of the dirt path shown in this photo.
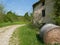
(6, 33)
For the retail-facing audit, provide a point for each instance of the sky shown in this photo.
(19, 7)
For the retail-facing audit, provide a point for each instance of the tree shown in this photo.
(1, 8)
(12, 16)
(27, 16)
(1, 13)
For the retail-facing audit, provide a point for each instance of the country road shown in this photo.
(6, 33)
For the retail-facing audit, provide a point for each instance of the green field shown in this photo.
(27, 35)
(13, 23)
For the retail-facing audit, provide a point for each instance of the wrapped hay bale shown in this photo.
(50, 33)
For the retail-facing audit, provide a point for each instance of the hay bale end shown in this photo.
(50, 34)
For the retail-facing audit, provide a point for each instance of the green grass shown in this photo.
(11, 23)
(27, 35)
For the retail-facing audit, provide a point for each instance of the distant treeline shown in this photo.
(12, 17)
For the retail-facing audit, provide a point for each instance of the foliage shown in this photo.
(31, 16)
(27, 17)
(1, 8)
(11, 16)
(57, 7)
(27, 35)
(1, 13)
(57, 12)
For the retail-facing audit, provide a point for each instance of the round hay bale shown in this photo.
(50, 33)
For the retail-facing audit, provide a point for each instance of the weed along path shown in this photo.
(6, 33)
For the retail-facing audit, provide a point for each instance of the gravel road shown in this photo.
(6, 33)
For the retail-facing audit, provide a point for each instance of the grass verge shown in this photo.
(25, 35)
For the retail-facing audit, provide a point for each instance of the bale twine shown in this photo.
(50, 33)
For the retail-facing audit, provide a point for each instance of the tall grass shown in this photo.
(27, 35)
